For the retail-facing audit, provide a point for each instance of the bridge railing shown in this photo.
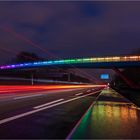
(74, 61)
(113, 59)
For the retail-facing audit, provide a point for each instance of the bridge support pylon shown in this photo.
(129, 82)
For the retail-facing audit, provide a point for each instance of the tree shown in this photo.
(26, 57)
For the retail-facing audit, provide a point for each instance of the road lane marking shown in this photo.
(78, 123)
(41, 109)
(49, 103)
(15, 95)
(78, 94)
(28, 96)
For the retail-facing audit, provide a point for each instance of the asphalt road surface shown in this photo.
(43, 114)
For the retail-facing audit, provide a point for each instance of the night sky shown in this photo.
(69, 29)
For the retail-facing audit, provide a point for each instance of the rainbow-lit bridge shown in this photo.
(96, 62)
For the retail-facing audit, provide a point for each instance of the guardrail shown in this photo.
(40, 80)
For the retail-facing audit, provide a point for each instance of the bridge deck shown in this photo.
(99, 62)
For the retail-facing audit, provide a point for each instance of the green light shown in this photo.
(79, 60)
(73, 60)
(67, 61)
(70, 61)
(87, 60)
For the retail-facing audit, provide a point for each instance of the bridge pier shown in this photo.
(125, 79)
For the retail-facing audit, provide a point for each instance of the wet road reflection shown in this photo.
(110, 119)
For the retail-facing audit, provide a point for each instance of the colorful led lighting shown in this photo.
(74, 61)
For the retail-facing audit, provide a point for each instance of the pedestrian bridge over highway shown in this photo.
(114, 62)
(93, 62)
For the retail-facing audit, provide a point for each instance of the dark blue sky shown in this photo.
(70, 29)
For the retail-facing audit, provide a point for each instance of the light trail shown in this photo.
(21, 37)
(21, 89)
(44, 50)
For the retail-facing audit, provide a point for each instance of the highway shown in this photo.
(43, 111)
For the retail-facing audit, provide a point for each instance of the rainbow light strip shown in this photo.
(73, 61)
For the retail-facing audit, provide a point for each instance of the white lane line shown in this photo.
(78, 94)
(28, 96)
(49, 103)
(41, 109)
(11, 97)
(78, 123)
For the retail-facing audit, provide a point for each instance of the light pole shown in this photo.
(32, 79)
(68, 77)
